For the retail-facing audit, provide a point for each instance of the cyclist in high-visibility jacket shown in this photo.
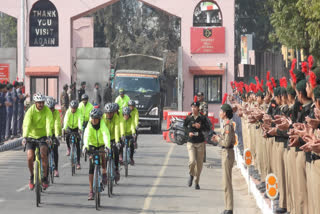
(56, 131)
(135, 115)
(85, 108)
(96, 137)
(122, 100)
(128, 132)
(112, 121)
(37, 125)
(72, 124)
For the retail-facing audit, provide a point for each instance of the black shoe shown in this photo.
(281, 210)
(197, 186)
(190, 181)
(227, 212)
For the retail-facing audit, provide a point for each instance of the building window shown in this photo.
(207, 14)
(48, 86)
(211, 86)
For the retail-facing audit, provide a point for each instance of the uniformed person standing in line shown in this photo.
(227, 141)
(15, 108)
(9, 107)
(64, 100)
(194, 125)
(2, 113)
(82, 90)
(72, 92)
(21, 98)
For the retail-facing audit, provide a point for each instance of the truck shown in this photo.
(141, 77)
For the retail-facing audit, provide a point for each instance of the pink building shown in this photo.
(207, 63)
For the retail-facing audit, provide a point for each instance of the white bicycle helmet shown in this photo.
(50, 103)
(126, 111)
(108, 108)
(38, 97)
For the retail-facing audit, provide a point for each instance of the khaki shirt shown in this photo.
(64, 100)
(227, 139)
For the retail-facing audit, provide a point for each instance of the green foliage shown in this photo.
(129, 26)
(297, 24)
(8, 31)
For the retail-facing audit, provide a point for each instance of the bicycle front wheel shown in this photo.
(126, 160)
(36, 182)
(52, 167)
(96, 186)
(72, 156)
(109, 178)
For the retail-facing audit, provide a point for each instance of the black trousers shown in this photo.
(115, 154)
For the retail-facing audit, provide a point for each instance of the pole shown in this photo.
(22, 37)
(248, 180)
(226, 77)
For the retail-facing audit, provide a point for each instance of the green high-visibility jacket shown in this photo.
(96, 138)
(113, 126)
(127, 127)
(135, 115)
(56, 123)
(122, 102)
(72, 120)
(37, 124)
(85, 111)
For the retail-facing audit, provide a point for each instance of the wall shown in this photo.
(9, 56)
(73, 9)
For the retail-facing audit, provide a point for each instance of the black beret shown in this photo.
(226, 107)
(301, 85)
(276, 91)
(195, 104)
(291, 91)
(299, 74)
(316, 92)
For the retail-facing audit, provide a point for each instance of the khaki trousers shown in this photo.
(301, 187)
(267, 155)
(315, 168)
(287, 175)
(310, 185)
(292, 171)
(196, 153)
(227, 164)
(280, 172)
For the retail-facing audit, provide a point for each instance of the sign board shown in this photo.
(4, 72)
(44, 25)
(272, 186)
(247, 157)
(246, 46)
(207, 40)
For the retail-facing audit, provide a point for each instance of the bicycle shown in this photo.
(51, 165)
(126, 155)
(73, 153)
(98, 185)
(37, 169)
(110, 172)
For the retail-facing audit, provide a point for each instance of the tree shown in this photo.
(8, 31)
(129, 26)
(310, 10)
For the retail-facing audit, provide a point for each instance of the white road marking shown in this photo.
(65, 165)
(23, 188)
(2, 200)
(153, 190)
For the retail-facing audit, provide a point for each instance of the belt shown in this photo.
(315, 157)
(231, 147)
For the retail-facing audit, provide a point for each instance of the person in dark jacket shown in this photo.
(9, 105)
(195, 124)
(3, 113)
(82, 90)
(96, 95)
(107, 94)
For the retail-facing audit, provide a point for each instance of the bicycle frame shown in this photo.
(51, 162)
(73, 155)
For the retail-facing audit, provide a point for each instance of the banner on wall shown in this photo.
(207, 40)
(246, 46)
(4, 72)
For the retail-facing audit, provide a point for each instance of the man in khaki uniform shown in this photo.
(227, 141)
(64, 100)
(195, 124)
(203, 108)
